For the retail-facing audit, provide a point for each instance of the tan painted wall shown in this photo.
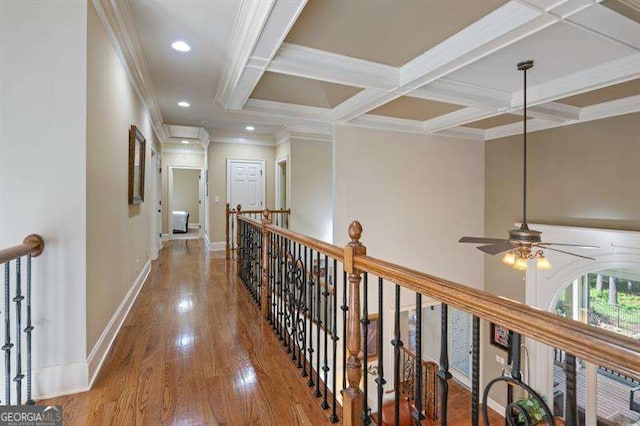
(580, 175)
(218, 154)
(117, 233)
(415, 197)
(175, 159)
(186, 191)
(310, 174)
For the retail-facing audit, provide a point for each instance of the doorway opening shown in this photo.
(186, 210)
(281, 183)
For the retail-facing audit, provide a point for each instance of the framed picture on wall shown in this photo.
(137, 147)
(500, 337)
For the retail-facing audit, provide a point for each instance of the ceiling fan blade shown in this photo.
(494, 249)
(572, 254)
(582, 246)
(482, 240)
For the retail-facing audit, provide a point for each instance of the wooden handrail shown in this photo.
(602, 347)
(33, 244)
(320, 246)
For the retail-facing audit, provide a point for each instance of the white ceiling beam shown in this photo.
(613, 72)
(463, 133)
(282, 109)
(614, 108)
(259, 30)
(554, 111)
(455, 92)
(317, 64)
(504, 26)
(457, 118)
(118, 21)
(388, 123)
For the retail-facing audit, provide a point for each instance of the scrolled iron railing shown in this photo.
(279, 218)
(301, 293)
(11, 260)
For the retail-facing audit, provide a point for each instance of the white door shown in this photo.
(246, 184)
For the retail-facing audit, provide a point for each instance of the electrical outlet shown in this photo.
(499, 360)
(216, 199)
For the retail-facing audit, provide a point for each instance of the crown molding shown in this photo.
(119, 24)
(299, 132)
(219, 136)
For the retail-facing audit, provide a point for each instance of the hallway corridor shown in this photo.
(194, 351)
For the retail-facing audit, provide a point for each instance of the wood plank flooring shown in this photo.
(194, 351)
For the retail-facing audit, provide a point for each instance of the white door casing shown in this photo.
(246, 184)
(201, 188)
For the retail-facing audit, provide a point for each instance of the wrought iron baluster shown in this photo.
(417, 414)
(287, 297)
(571, 409)
(443, 374)
(380, 381)
(305, 311)
(300, 320)
(475, 372)
(311, 382)
(28, 330)
(325, 367)
(293, 302)
(344, 307)
(7, 336)
(334, 338)
(281, 255)
(397, 344)
(366, 417)
(317, 392)
(18, 301)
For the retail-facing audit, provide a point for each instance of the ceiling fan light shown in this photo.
(521, 264)
(509, 258)
(542, 263)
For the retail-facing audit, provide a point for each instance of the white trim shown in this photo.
(194, 225)
(183, 151)
(283, 109)
(60, 380)
(306, 62)
(215, 246)
(67, 379)
(201, 197)
(259, 30)
(264, 177)
(118, 22)
(101, 349)
(498, 408)
(279, 162)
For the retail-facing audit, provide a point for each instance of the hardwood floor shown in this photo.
(194, 351)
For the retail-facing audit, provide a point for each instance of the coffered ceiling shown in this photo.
(442, 67)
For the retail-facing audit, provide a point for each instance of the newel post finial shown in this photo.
(352, 396)
(264, 301)
(355, 232)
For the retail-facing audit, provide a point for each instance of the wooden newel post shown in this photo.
(264, 299)
(226, 232)
(238, 241)
(352, 396)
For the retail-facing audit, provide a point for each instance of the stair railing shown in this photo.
(16, 262)
(299, 289)
(280, 218)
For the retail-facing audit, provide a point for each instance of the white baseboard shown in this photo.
(495, 406)
(59, 380)
(216, 246)
(101, 349)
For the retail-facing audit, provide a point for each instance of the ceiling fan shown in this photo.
(523, 243)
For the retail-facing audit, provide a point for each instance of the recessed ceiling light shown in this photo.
(180, 46)
(184, 104)
(250, 128)
(185, 141)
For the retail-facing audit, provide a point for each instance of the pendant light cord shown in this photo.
(524, 178)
